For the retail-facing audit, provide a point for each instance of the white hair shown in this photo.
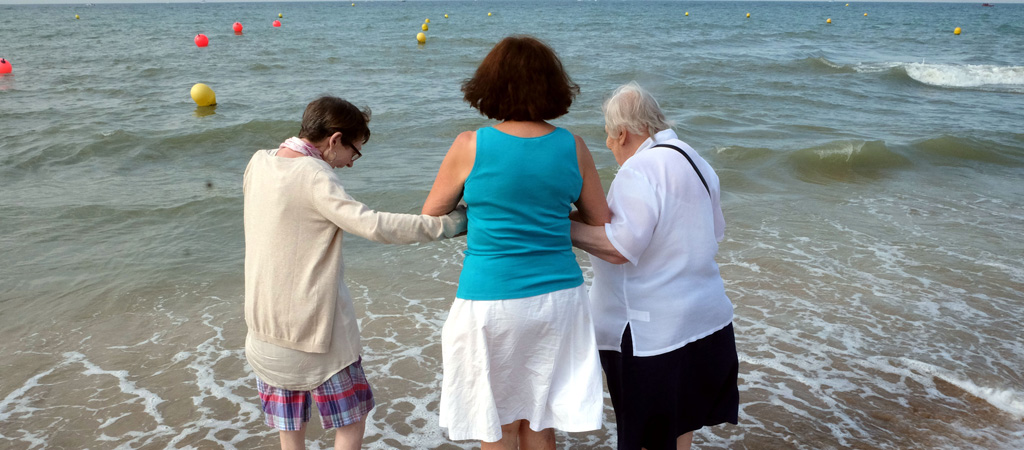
(633, 109)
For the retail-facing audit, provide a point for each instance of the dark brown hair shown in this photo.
(521, 79)
(327, 115)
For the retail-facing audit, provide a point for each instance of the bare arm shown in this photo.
(591, 208)
(451, 177)
(593, 240)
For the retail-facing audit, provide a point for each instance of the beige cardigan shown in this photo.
(295, 210)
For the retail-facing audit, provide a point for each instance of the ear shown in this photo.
(335, 139)
(622, 137)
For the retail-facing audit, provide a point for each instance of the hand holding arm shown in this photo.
(593, 240)
(634, 218)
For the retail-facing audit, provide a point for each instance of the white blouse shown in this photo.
(668, 227)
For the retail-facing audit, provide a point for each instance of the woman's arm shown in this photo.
(592, 239)
(333, 203)
(451, 176)
(591, 208)
(635, 216)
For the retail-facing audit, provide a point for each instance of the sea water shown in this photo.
(871, 172)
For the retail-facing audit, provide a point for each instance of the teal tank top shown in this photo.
(519, 196)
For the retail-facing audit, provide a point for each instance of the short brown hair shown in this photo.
(327, 115)
(521, 79)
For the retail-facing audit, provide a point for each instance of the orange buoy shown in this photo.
(5, 66)
(277, 23)
(237, 27)
(202, 40)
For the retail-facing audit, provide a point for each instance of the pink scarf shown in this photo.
(301, 146)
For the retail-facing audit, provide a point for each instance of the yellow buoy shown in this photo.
(687, 13)
(847, 4)
(203, 95)
(748, 15)
(956, 31)
(280, 16)
(424, 27)
(426, 21)
(488, 14)
(829, 20)
(353, 4)
(865, 14)
(445, 16)
(76, 16)
(421, 38)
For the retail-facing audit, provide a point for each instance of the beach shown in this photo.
(870, 171)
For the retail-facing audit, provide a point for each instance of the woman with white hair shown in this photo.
(662, 318)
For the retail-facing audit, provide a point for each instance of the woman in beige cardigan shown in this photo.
(303, 339)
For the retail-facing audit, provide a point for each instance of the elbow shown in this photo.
(599, 219)
(616, 259)
(611, 257)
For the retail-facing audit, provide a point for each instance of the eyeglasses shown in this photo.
(356, 153)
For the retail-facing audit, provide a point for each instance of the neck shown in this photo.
(303, 147)
(633, 142)
(525, 128)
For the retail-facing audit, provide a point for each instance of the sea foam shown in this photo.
(979, 76)
(950, 75)
(1007, 400)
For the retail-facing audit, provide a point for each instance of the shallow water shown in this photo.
(870, 172)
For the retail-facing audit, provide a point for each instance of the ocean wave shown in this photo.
(200, 210)
(1009, 28)
(260, 67)
(956, 76)
(844, 160)
(1008, 400)
(705, 120)
(953, 150)
(823, 64)
(1009, 78)
(153, 147)
(853, 159)
(738, 153)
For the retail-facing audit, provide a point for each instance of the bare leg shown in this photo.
(294, 440)
(509, 438)
(536, 440)
(350, 437)
(683, 442)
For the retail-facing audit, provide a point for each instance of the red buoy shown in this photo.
(5, 66)
(202, 40)
(237, 27)
(277, 23)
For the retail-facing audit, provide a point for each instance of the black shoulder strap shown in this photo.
(695, 169)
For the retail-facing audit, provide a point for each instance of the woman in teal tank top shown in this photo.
(519, 353)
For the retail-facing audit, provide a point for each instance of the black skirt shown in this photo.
(659, 398)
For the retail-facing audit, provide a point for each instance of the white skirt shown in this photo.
(531, 358)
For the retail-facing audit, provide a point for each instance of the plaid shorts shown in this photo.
(344, 399)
